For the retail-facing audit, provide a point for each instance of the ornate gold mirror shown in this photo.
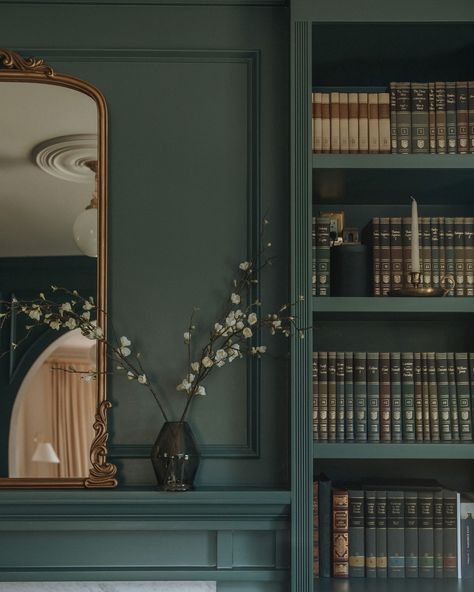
(53, 231)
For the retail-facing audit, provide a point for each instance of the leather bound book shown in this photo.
(360, 397)
(344, 123)
(340, 403)
(450, 525)
(373, 397)
(434, 231)
(425, 398)
(313, 257)
(393, 117)
(449, 251)
(440, 103)
(323, 395)
(356, 534)
(317, 123)
(335, 123)
(322, 255)
(438, 533)
(442, 248)
(370, 535)
(396, 395)
(315, 529)
(453, 399)
(462, 117)
(411, 534)
(464, 396)
(403, 118)
(385, 264)
(385, 399)
(469, 256)
(353, 122)
(451, 123)
(406, 252)
(425, 229)
(363, 123)
(408, 397)
(459, 256)
(441, 361)
(384, 123)
(425, 535)
(376, 256)
(396, 254)
(471, 381)
(470, 115)
(326, 123)
(432, 116)
(419, 118)
(381, 522)
(396, 534)
(433, 394)
(315, 397)
(340, 533)
(418, 396)
(349, 395)
(332, 400)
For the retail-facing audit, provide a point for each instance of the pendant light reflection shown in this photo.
(44, 452)
(85, 225)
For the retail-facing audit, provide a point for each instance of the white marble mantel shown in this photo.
(107, 587)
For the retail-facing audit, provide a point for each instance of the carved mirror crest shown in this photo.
(53, 231)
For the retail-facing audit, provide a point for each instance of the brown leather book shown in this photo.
(340, 534)
(353, 122)
(335, 123)
(344, 123)
(374, 141)
(440, 104)
(363, 123)
(462, 117)
(317, 123)
(384, 123)
(432, 116)
(326, 123)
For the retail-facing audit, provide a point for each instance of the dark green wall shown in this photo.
(198, 100)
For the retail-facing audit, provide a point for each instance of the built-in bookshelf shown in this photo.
(333, 48)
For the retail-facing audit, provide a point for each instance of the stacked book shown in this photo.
(375, 531)
(446, 251)
(321, 256)
(392, 397)
(351, 122)
(432, 117)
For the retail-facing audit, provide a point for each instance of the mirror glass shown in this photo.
(48, 236)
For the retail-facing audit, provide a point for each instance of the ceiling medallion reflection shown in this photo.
(14, 61)
(67, 157)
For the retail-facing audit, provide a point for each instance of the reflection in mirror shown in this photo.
(48, 236)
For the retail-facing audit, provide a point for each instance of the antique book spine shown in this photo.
(373, 397)
(396, 396)
(385, 412)
(450, 525)
(453, 400)
(356, 534)
(385, 266)
(469, 256)
(360, 397)
(315, 529)
(313, 257)
(467, 540)
(403, 118)
(323, 395)
(381, 523)
(332, 397)
(325, 123)
(384, 123)
(325, 536)
(434, 231)
(425, 229)
(396, 534)
(374, 141)
(349, 395)
(393, 117)
(426, 398)
(315, 397)
(433, 391)
(370, 535)
(464, 396)
(419, 118)
(344, 122)
(406, 251)
(411, 534)
(340, 534)
(451, 124)
(353, 122)
(418, 396)
(396, 254)
(408, 397)
(470, 116)
(459, 255)
(449, 250)
(323, 259)
(432, 116)
(471, 381)
(317, 123)
(438, 533)
(340, 402)
(441, 361)
(425, 535)
(442, 248)
(440, 103)
(462, 117)
(335, 123)
(363, 123)
(376, 256)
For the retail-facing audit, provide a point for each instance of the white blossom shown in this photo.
(130, 375)
(245, 265)
(201, 391)
(65, 307)
(142, 379)
(89, 377)
(218, 327)
(221, 354)
(230, 320)
(124, 349)
(187, 336)
(87, 305)
(235, 298)
(86, 315)
(71, 324)
(220, 364)
(195, 366)
(247, 332)
(56, 325)
(259, 349)
(252, 318)
(185, 385)
(240, 325)
(35, 314)
(207, 362)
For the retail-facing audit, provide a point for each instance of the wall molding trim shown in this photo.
(164, 3)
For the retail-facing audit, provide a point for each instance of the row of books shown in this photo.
(432, 117)
(446, 250)
(351, 122)
(375, 532)
(392, 397)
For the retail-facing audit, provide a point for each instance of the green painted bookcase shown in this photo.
(364, 43)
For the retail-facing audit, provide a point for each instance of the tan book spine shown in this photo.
(344, 122)
(384, 123)
(335, 123)
(363, 123)
(340, 534)
(374, 144)
(353, 111)
(326, 123)
(317, 123)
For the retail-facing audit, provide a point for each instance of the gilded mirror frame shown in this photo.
(15, 68)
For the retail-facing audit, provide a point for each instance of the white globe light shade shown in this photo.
(84, 231)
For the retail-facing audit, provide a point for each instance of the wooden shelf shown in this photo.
(393, 161)
(392, 585)
(369, 304)
(403, 450)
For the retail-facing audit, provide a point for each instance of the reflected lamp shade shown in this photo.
(84, 231)
(44, 452)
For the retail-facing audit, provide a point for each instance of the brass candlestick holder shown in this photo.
(417, 289)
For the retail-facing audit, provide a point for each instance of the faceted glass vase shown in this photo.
(175, 457)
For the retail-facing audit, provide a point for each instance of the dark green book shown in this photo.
(315, 397)
(418, 379)
(313, 258)
(385, 398)
(385, 265)
(462, 117)
(441, 362)
(356, 534)
(395, 534)
(360, 397)
(433, 392)
(440, 104)
(381, 523)
(323, 259)
(419, 118)
(425, 535)
(453, 398)
(403, 108)
(464, 396)
(325, 517)
(470, 115)
(396, 392)
(406, 249)
(450, 525)
(332, 397)
(434, 231)
(376, 262)
(340, 403)
(411, 534)
(323, 395)
(373, 397)
(442, 248)
(469, 256)
(451, 129)
(459, 256)
(349, 395)
(438, 533)
(370, 535)
(393, 117)
(432, 116)
(425, 230)
(396, 254)
(449, 251)
(408, 397)
(425, 398)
